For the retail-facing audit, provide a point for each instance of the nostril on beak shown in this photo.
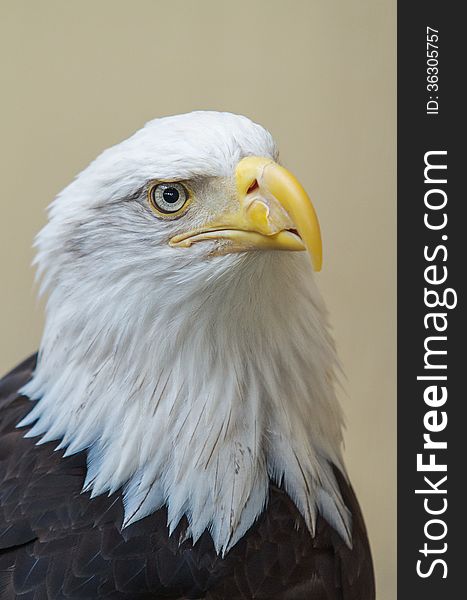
(253, 186)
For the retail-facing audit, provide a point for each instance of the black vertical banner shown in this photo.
(432, 332)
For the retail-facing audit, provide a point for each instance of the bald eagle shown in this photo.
(178, 433)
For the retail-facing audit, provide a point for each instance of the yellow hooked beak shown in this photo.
(274, 213)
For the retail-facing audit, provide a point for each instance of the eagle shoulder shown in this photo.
(57, 542)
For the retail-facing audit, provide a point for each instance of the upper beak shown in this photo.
(273, 213)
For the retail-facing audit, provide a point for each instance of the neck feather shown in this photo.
(196, 401)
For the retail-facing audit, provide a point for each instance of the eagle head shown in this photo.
(186, 346)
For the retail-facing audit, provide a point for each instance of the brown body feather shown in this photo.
(58, 543)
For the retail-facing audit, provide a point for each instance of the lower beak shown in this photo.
(273, 213)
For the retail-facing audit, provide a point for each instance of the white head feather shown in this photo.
(191, 380)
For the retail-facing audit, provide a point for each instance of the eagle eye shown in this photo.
(168, 199)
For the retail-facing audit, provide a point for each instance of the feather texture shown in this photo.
(57, 543)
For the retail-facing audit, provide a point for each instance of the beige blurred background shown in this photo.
(320, 74)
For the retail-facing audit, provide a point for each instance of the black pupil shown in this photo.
(171, 195)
